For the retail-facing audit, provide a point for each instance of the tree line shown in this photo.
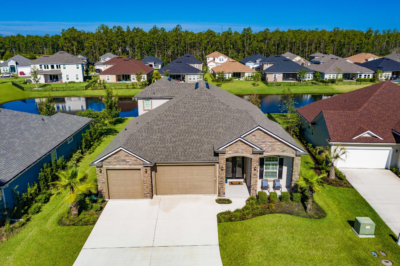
(168, 45)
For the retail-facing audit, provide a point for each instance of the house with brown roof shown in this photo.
(216, 58)
(234, 69)
(362, 58)
(123, 69)
(365, 121)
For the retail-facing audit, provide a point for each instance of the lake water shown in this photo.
(129, 107)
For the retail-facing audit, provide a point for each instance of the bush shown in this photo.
(296, 197)
(35, 208)
(96, 207)
(285, 197)
(75, 159)
(339, 174)
(248, 213)
(71, 82)
(395, 170)
(252, 203)
(246, 208)
(43, 198)
(100, 200)
(218, 84)
(223, 218)
(85, 218)
(271, 206)
(262, 197)
(366, 80)
(273, 197)
(7, 228)
(237, 215)
(223, 201)
(257, 209)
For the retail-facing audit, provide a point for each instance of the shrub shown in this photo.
(85, 218)
(35, 208)
(223, 218)
(223, 201)
(271, 206)
(236, 216)
(395, 170)
(71, 82)
(273, 197)
(75, 159)
(257, 209)
(43, 198)
(296, 197)
(100, 200)
(218, 84)
(248, 213)
(262, 197)
(285, 197)
(339, 174)
(252, 203)
(251, 198)
(96, 207)
(7, 228)
(246, 208)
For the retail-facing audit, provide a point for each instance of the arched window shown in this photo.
(271, 167)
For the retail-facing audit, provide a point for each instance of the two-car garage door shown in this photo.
(185, 179)
(366, 158)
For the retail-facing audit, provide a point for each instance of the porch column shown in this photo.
(221, 176)
(254, 175)
(295, 174)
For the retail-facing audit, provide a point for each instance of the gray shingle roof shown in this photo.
(394, 56)
(384, 64)
(253, 58)
(283, 65)
(191, 126)
(292, 56)
(317, 54)
(152, 59)
(178, 67)
(50, 72)
(163, 88)
(25, 138)
(108, 55)
(188, 59)
(21, 61)
(59, 58)
(329, 66)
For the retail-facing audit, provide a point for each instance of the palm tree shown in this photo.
(331, 155)
(74, 184)
(311, 182)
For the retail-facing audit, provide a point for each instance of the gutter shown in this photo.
(29, 166)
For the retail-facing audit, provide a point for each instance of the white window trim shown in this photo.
(144, 104)
(108, 78)
(368, 132)
(70, 139)
(277, 168)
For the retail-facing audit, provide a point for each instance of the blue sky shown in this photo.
(39, 18)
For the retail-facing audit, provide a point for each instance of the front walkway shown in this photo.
(167, 230)
(381, 189)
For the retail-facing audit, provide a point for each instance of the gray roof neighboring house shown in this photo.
(21, 61)
(188, 59)
(317, 54)
(179, 68)
(26, 138)
(253, 59)
(394, 56)
(325, 57)
(59, 58)
(281, 64)
(384, 64)
(108, 55)
(199, 120)
(329, 66)
(152, 59)
(50, 72)
(292, 56)
(164, 88)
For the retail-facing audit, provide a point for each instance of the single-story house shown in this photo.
(17, 65)
(28, 141)
(123, 69)
(184, 69)
(389, 67)
(296, 58)
(394, 56)
(365, 121)
(278, 68)
(60, 67)
(253, 61)
(234, 69)
(153, 62)
(315, 56)
(322, 58)
(362, 58)
(196, 143)
(328, 67)
(216, 58)
(101, 65)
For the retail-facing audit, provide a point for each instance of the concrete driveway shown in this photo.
(381, 188)
(167, 230)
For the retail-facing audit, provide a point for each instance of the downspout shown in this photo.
(4, 199)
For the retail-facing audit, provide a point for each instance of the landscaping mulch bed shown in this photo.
(223, 201)
(4, 236)
(85, 217)
(337, 182)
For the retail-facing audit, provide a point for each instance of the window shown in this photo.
(144, 77)
(40, 66)
(77, 66)
(69, 108)
(271, 167)
(67, 77)
(54, 155)
(106, 66)
(46, 66)
(69, 99)
(58, 66)
(79, 98)
(108, 78)
(82, 109)
(52, 66)
(196, 66)
(70, 140)
(133, 77)
(77, 76)
(220, 59)
(64, 67)
(147, 104)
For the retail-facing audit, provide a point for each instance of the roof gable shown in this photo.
(383, 64)
(283, 65)
(124, 65)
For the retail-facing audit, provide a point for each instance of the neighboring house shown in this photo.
(296, 58)
(253, 61)
(104, 58)
(71, 105)
(394, 56)
(216, 58)
(153, 62)
(17, 65)
(365, 121)
(322, 58)
(60, 67)
(315, 56)
(362, 58)
(278, 68)
(389, 67)
(28, 141)
(86, 60)
(328, 67)
(184, 69)
(123, 69)
(234, 69)
(195, 142)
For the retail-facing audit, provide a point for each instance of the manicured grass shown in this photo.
(245, 87)
(42, 241)
(280, 239)
(10, 93)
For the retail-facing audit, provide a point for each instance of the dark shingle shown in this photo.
(283, 65)
(60, 58)
(253, 58)
(188, 59)
(152, 59)
(21, 61)
(384, 64)
(178, 67)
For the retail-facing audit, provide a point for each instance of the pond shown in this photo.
(129, 106)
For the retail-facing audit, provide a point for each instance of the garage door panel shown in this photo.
(365, 158)
(125, 184)
(185, 180)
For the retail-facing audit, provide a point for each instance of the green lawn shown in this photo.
(279, 239)
(245, 87)
(42, 241)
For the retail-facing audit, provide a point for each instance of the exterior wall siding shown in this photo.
(154, 104)
(320, 135)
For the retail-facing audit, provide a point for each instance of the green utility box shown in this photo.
(364, 227)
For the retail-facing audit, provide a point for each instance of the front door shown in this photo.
(234, 167)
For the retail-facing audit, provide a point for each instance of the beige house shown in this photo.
(216, 58)
(234, 69)
(362, 58)
(197, 142)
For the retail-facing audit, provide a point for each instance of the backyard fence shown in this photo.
(17, 85)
